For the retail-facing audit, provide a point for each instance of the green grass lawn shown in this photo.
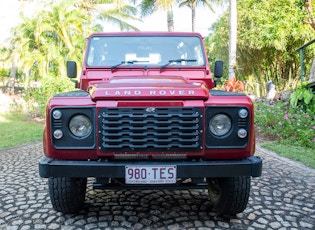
(298, 153)
(15, 131)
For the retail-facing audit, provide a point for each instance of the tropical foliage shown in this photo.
(4, 74)
(41, 45)
(233, 85)
(269, 32)
(37, 97)
(147, 7)
(307, 6)
(192, 4)
(303, 97)
(294, 126)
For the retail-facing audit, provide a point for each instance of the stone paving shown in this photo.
(283, 198)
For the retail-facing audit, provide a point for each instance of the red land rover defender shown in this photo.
(145, 117)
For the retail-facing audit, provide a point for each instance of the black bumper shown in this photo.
(251, 166)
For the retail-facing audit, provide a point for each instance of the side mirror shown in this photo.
(218, 69)
(71, 69)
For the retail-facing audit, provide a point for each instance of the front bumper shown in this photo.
(251, 166)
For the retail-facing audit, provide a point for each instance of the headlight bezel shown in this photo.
(231, 138)
(69, 140)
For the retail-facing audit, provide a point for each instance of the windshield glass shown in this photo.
(162, 51)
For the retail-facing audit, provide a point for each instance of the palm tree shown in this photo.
(232, 26)
(192, 4)
(149, 6)
(118, 13)
(5, 53)
(64, 28)
(43, 43)
(27, 50)
(232, 38)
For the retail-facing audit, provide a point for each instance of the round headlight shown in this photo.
(220, 124)
(80, 126)
(243, 113)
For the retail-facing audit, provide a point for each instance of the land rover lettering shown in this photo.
(151, 92)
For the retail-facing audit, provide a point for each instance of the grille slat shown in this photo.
(145, 128)
(169, 134)
(161, 122)
(139, 129)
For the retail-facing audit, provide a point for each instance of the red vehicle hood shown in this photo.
(147, 88)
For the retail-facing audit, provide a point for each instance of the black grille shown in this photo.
(150, 129)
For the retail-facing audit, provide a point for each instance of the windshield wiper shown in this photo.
(123, 63)
(177, 60)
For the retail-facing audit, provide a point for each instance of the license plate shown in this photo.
(150, 174)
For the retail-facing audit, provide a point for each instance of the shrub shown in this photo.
(38, 97)
(4, 75)
(293, 126)
(304, 97)
(234, 85)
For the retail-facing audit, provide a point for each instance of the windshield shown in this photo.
(163, 51)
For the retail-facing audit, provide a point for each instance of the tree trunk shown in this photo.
(11, 82)
(193, 17)
(170, 19)
(309, 9)
(232, 38)
(312, 74)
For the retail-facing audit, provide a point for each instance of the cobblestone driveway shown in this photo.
(283, 198)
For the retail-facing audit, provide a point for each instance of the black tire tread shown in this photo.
(235, 195)
(67, 195)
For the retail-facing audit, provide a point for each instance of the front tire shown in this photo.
(229, 195)
(67, 195)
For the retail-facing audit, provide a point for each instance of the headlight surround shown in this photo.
(80, 126)
(220, 125)
(237, 136)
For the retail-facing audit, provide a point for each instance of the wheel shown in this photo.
(67, 195)
(229, 195)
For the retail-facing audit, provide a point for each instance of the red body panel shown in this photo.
(149, 87)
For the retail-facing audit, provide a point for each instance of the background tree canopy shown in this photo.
(41, 45)
(269, 32)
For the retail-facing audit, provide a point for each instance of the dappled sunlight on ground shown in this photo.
(3, 119)
(5, 102)
(12, 103)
